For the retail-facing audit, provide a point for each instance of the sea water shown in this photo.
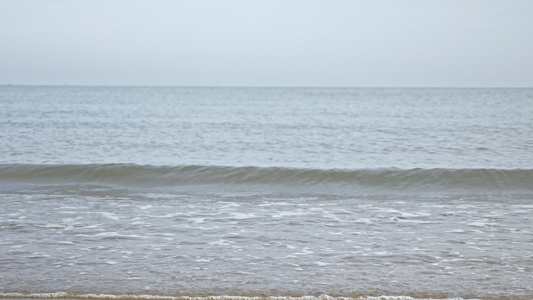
(310, 193)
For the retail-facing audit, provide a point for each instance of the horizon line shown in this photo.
(263, 86)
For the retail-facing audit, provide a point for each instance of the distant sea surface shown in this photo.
(227, 193)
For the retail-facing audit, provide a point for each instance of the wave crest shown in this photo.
(364, 180)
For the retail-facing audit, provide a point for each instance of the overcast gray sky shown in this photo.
(373, 43)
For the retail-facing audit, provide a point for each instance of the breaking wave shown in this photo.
(386, 180)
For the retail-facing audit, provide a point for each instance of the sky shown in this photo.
(341, 43)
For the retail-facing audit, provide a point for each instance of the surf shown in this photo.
(385, 180)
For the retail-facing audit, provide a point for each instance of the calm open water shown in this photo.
(173, 192)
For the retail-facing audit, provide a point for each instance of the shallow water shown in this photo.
(169, 193)
(122, 243)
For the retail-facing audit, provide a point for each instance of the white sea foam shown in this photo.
(116, 235)
(66, 243)
(242, 216)
(62, 295)
(109, 215)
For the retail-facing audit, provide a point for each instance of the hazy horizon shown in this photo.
(237, 43)
(261, 86)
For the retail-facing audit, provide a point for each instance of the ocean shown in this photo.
(213, 193)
